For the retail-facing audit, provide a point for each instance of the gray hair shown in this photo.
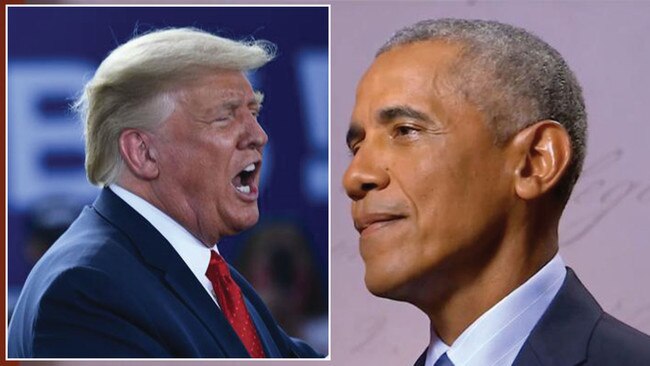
(134, 86)
(513, 77)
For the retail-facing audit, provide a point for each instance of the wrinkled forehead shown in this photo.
(227, 86)
(213, 93)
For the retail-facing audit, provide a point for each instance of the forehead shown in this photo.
(217, 87)
(430, 56)
(411, 73)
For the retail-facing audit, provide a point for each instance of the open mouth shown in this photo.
(244, 182)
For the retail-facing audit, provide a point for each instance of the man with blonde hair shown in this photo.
(172, 137)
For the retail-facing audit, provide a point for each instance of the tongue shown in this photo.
(236, 181)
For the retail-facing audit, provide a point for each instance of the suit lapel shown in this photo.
(422, 359)
(527, 357)
(266, 325)
(156, 251)
(184, 284)
(561, 337)
(270, 349)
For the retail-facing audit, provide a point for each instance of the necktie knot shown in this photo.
(217, 268)
(232, 304)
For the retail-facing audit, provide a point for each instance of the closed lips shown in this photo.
(364, 221)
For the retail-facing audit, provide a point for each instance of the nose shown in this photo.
(365, 173)
(254, 136)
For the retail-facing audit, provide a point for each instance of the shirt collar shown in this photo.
(436, 348)
(497, 336)
(193, 252)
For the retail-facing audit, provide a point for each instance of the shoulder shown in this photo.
(575, 330)
(618, 343)
(89, 247)
(86, 261)
(82, 301)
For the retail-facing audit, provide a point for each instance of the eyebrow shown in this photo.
(401, 111)
(386, 116)
(256, 101)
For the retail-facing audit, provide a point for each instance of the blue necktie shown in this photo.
(443, 361)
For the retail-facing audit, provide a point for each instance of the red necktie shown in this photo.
(232, 304)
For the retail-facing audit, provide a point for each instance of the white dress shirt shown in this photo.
(496, 337)
(195, 255)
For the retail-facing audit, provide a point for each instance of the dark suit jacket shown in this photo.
(575, 330)
(112, 286)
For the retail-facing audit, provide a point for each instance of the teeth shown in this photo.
(244, 189)
(249, 168)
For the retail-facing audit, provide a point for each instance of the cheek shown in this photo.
(213, 156)
(198, 168)
(466, 195)
(428, 181)
(444, 189)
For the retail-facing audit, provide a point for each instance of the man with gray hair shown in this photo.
(172, 137)
(467, 138)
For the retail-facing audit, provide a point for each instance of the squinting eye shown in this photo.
(224, 116)
(405, 130)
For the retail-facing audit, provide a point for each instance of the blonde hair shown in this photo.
(132, 88)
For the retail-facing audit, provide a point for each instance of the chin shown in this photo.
(385, 285)
(246, 222)
(393, 280)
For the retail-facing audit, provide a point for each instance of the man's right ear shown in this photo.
(138, 153)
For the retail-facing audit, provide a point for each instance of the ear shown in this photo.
(543, 151)
(138, 153)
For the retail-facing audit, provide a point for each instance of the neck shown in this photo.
(466, 294)
(177, 209)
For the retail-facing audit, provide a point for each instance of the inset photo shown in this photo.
(168, 182)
